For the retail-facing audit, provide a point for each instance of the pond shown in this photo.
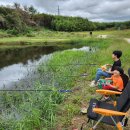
(18, 66)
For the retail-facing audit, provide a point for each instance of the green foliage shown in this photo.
(43, 20)
(70, 24)
(2, 22)
(113, 25)
(61, 23)
(14, 20)
(15, 23)
(18, 18)
(32, 10)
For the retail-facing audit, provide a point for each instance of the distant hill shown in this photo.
(17, 19)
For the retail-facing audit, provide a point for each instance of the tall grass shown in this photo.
(65, 66)
(29, 110)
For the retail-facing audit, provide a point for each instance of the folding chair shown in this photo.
(108, 113)
(103, 92)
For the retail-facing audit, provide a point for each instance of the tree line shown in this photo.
(19, 19)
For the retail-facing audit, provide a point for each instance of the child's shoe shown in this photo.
(93, 84)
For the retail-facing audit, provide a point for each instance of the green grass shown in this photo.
(38, 37)
(71, 108)
(66, 58)
(47, 111)
(111, 33)
(46, 37)
(85, 93)
(29, 110)
(64, 80)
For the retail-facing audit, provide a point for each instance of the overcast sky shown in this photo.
(94, 10)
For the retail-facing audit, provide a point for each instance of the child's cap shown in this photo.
(120, 70)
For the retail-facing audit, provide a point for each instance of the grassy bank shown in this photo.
(68, 114)
(55, 110)
(82, 92)
(45, 37)
(38, 38)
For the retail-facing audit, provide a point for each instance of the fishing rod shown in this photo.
(73, 76)
(91, 64)
(34, 90)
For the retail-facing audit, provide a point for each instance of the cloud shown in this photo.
(95, 10)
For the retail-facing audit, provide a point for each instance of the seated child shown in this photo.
(117, 81)
(103, 70)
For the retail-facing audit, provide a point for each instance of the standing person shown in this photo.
(91, 33)
(107, 73)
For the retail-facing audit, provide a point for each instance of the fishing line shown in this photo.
(73, 76)
(34, 90)
(31, 66)
(93, 64)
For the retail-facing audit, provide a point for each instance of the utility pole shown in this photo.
(58, 10)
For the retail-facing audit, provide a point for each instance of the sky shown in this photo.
(94, 10)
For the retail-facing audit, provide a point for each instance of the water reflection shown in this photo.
(19, 65)
(22, 55)
(16, 63)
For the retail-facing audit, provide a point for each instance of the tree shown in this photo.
(2, 22)
(25, 8)
(15, 23)
(32, 10)
(16, 5)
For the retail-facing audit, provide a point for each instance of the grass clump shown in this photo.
(29, 110)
